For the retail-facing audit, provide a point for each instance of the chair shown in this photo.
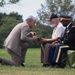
(70, 58)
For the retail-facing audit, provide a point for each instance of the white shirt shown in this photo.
(58, 31)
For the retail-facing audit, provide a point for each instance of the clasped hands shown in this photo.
(33, 35)
(36, 37)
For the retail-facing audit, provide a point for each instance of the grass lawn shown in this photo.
(32, 66)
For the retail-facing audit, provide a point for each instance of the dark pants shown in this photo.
(57, 55)
(51, 54)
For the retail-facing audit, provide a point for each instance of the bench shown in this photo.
(70, 58)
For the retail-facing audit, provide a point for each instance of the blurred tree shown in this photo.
(7, 22)
(66, 7)
(4, 2)
(43, 32)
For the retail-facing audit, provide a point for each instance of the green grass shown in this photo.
(32, 66)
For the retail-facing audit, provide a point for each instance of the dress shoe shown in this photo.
(51, 66)
(0, 60)
(62, 66)
(22, 65)
(58, 66)
(46, 65)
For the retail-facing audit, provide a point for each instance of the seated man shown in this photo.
(67, 42)
(57, 33)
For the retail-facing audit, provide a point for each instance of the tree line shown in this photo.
(7, 22)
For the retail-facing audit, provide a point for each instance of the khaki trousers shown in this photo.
(16, 60)
(44, 53)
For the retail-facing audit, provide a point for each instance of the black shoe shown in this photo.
(0, 60)
(52, 65)
(56, 66)
(22, 65)
(62, 66)
(46, 65)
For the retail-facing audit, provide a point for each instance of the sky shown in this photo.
(24, 7)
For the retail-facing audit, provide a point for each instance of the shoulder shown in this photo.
(61, 27)
(73, 26)
(60, 24)
(24, 24)
(73, 29)
(25, 27)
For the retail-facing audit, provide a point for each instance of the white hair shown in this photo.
(31, 18)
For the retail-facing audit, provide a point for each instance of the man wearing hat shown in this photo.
(57, 33)
(67, 42)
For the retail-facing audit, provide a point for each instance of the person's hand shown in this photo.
(42, 40)
(35, 38)
(39, 39)
(33, 33)
(54, 44)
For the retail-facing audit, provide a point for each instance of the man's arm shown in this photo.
(48, 40)
(24, 35)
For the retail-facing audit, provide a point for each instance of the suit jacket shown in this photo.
(17, 37)
(69, 39)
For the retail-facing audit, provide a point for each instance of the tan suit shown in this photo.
(16, 45)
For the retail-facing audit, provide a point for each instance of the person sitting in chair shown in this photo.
(67, 42)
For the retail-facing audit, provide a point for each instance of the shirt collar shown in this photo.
(69, 24)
